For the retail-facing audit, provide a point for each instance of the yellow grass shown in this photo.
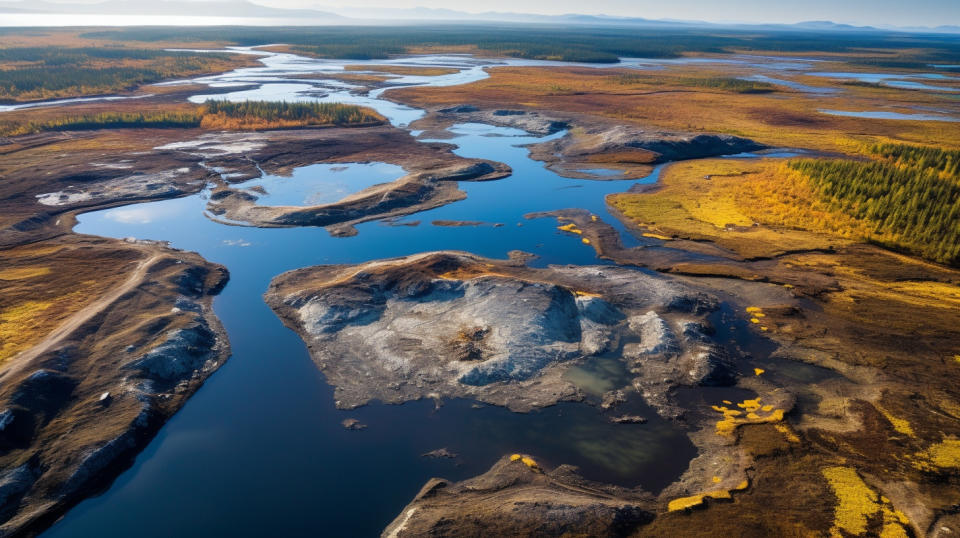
(660, 99)
(23, 273)
(753, 412)
(753, 208)
(856, 502)
(26, 323)
(899, 424)
(686, 503)
(942, 455)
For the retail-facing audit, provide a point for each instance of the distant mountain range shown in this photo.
(366, 15)
(230, 8)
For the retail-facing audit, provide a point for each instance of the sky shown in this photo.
(861, 12)
(857, 12)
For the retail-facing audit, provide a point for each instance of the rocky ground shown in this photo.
(847, 388)
(432, 172)
(518, 498)
(443, 325)
(591, 142)
(84, 171)
(447, 324)
(101, 341)
(79, 404)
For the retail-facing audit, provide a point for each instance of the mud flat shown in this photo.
(78, 402)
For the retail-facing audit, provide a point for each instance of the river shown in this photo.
(260, 449)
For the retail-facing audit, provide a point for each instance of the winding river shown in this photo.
(260, 450)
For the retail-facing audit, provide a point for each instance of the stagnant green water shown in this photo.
(260, 450)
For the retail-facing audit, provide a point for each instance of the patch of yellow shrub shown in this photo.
(857, 503)
(899, 424)
(685, 503)
(756, 413)
(942, 455)
(529, 462)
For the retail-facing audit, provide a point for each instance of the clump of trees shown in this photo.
(114, 120)
(904, 155)
(214, 114)
(30, 73)
(910, 197)
(271, 114)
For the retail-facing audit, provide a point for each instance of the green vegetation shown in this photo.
(736, 85)
(29, 73)
(54, 56)
(247, 115)
(109, 120)
(946, 161)
(910, 199)
(268, 114)
(582, 44)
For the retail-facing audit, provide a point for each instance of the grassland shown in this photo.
(909, 201)
(36, 294)
(729, 84)
(671, 99)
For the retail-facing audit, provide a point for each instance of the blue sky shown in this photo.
(858, 12)
(872, 12)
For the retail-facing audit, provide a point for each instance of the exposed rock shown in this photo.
(612, 399)
(353, 424)
(456, 325)
(643, 146)
(432, 172)
(79, 408)
(14, 483)
(516, 497)
(628, 419)
(530, 121)
(440, 453)
(183, 352)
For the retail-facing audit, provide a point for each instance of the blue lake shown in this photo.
(260, 450)
(319, 183)
(887, 115)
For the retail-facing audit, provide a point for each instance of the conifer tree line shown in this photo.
(282, 111)
(214, 114)
(910, 196)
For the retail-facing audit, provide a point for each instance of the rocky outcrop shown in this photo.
(517, 497)
(591, 143)
(73, 416)
(184, 352)
(419, 190)
(529, 121)
(446, 324)
(624, 145)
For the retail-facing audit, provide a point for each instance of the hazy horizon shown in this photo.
(930, 13)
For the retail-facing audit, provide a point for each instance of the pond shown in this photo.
(259, 449)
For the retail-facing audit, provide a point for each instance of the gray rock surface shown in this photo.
(443, 325)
